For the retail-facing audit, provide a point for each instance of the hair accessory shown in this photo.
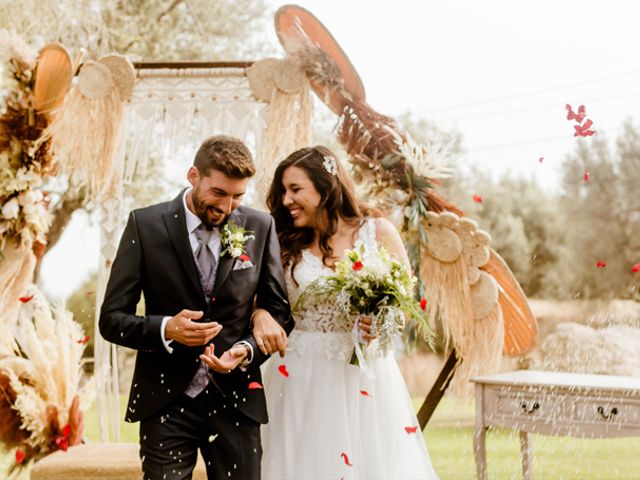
(330, 165)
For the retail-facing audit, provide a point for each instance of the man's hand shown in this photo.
(269, 335)
(228, 361)
(183, 329)
(364, 324)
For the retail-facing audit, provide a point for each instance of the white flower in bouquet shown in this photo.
(11, 209)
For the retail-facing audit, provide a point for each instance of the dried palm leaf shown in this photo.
(53, 77)
(520, 326)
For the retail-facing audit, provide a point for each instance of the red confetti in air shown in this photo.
(346, 459)
(20, 456)
(244, 257)
(255, 386)
(411, 429)
(423, 304)
(583, 130)
(283, 370)
(601, 264)
(578, 117)
(364, 393)
(62, 443)
(541, 159)
(478, 198)
(586, 176)
(357, 265)
(84, 340)
(636, 268)
(26, 299)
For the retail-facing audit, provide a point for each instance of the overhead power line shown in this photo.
(534, 92)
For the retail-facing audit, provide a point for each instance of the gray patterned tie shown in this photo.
(205, 260)
(206, 263)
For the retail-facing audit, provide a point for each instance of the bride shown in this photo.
(330, 419)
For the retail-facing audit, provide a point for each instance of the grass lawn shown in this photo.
(449, 438)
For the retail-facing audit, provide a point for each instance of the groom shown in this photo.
(202, 263)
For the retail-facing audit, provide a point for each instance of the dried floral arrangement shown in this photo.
(41, 347)
(43, 388)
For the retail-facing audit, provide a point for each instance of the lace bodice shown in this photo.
(321, 315)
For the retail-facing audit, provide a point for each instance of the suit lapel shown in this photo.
(226, 262)
(174, 219)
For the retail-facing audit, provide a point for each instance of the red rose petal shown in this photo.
(283, 370)
(20, 456)
(411, 429)
(62, 443)
(66, 431)
(601, 264)
(346, 459)
(636, 268)
(357, 265)
(26, 299)
(84, 340)
(423, 304)
(478, 198)
(578, 117)
(583, 130)
(586, 176)
(364, 393)
(255, 386)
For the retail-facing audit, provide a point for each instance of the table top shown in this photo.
(561, 379)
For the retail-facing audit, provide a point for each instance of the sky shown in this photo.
(499, 72)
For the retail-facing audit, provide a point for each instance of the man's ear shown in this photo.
(193, 175)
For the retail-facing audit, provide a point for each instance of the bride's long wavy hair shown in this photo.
(337, 200)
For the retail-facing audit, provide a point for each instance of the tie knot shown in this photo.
(203, 233)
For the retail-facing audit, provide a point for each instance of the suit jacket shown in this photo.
(155, 258)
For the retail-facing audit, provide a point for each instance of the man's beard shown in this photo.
(202, 211)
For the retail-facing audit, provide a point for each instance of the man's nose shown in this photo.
(228, 205)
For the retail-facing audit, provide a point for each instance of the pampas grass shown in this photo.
(46, 385)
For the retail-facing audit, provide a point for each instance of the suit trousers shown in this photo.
(228, 440)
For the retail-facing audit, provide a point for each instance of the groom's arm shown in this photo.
(271, 294)
(118, 320)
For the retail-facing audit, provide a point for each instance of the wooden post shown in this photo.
(434, 396)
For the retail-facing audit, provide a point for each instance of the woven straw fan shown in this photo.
(53, 77)
(520, 326)
(294, 23)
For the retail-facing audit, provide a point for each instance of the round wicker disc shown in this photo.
(467, 225)
(94, 80)
(122, 72)
(444, 245)
(473, 275)
(260, 76)
(484, 296)
(449, 220)
(476, 256)
(289, 76)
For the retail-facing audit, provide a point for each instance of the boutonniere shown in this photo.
(233, 239)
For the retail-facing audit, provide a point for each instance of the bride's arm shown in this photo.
(388, 237)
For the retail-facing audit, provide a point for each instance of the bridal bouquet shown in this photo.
(372, 284)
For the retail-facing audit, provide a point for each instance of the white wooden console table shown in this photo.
(551, 403)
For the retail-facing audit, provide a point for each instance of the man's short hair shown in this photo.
(226, 154)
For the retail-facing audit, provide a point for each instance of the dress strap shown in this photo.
(367, 234)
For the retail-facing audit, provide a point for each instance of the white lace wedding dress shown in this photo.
(327, 419)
